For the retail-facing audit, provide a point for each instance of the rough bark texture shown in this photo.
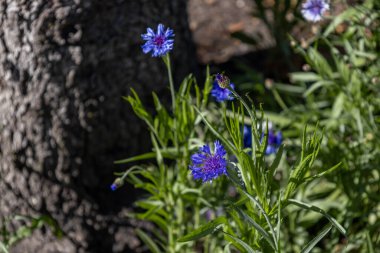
(64, 65)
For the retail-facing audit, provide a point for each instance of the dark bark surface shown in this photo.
(64, 65)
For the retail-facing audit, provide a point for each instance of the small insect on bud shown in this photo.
(222, 80)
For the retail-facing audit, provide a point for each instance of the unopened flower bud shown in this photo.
(118, 182)
(268, 83)
(222, 80)
(306, 67)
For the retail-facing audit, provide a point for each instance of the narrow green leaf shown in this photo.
(276, 161)
(369, 243)
(159, 222)
(159, 157)
(304, 142)
(346, 15)
(309, 207)
(229, 145)
(264, 214)
(207, 87)
(278, 227)
(324, 172)
(52, 223)
(227, 248)
(316, 86)
(319, 63)
(145, 156)
(316, 239)
(3, 249)
(304, 77)
(241, 243)
(297, 176)
(338, 105)
(257, 226)
(357, 116)
(204, 230)
(148, 241)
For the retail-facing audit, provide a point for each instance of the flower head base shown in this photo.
(208, 166)
(222, 80)
(222, 94)
(313, 10)
(159, 43)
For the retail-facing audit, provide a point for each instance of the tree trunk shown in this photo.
(64, 65)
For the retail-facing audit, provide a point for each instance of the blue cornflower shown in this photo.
(313, 10)
(159, 43)
(222, 94)
(208, 166)
(274, 140)
(247, 136)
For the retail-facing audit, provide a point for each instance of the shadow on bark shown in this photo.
(64, 66)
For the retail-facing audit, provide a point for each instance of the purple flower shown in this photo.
(159, 43)
(222, 94)
(247, 136)
(208, 166)
(274, 140)
(113, 187)
(313, 10)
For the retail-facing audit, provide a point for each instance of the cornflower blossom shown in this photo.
(222, 94)
(274, 140)
(313, 10)
(113, 187)
(247, 136)
(208, 166)
(159, 43)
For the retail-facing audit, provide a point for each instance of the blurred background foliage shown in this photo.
(338, 87)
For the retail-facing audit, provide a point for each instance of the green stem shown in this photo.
(279, 100)
(166, 59)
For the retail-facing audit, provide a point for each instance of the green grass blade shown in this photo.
(309, 207)
(316, 239)
(257, 226)
(241, 243)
